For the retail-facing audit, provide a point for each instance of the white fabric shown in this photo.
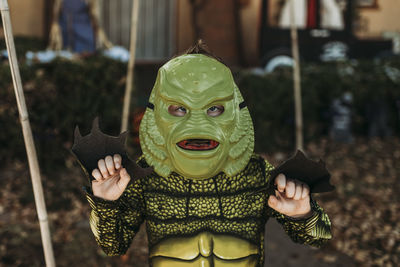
(300, 14)
(331, 15)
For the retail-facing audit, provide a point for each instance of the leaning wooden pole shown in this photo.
(29, 144)
(131, 67)
(296, 80)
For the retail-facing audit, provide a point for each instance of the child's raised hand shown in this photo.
(292, 198)
(111, 178)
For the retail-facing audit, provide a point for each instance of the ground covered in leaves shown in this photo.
(364, 209)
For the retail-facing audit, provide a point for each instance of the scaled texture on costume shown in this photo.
(177, 207)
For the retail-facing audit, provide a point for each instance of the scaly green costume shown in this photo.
(202, 207)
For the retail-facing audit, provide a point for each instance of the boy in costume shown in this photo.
(204, 203)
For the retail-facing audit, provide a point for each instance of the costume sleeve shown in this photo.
(314, 230)
(115, 223)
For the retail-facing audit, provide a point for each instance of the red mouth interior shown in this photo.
(198, 144)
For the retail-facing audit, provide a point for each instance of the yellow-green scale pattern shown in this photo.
(174, 206)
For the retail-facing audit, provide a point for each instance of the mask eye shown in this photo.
(177, 111)
(215, 111)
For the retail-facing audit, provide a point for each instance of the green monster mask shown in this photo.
(196, 123)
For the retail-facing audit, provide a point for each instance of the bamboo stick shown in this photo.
(296, 80)
(29, 143)
(131, 67)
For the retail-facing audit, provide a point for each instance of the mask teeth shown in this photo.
(214, 143)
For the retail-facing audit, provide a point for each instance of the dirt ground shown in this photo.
(364, 210)
(280, 251)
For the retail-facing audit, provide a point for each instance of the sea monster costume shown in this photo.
(202, 207)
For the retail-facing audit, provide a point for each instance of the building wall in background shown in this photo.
(27, 17)
(217, 25)
(156, 27)
(250, 19)
(375, 21)
(185, 33)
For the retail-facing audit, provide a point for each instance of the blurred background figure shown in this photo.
(308, 11)
(378, 118)
(341, 111)
(75, 27)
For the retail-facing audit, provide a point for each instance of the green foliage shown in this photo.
(270, 98)
(59, 96)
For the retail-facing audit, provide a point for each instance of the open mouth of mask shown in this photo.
(198, 144)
